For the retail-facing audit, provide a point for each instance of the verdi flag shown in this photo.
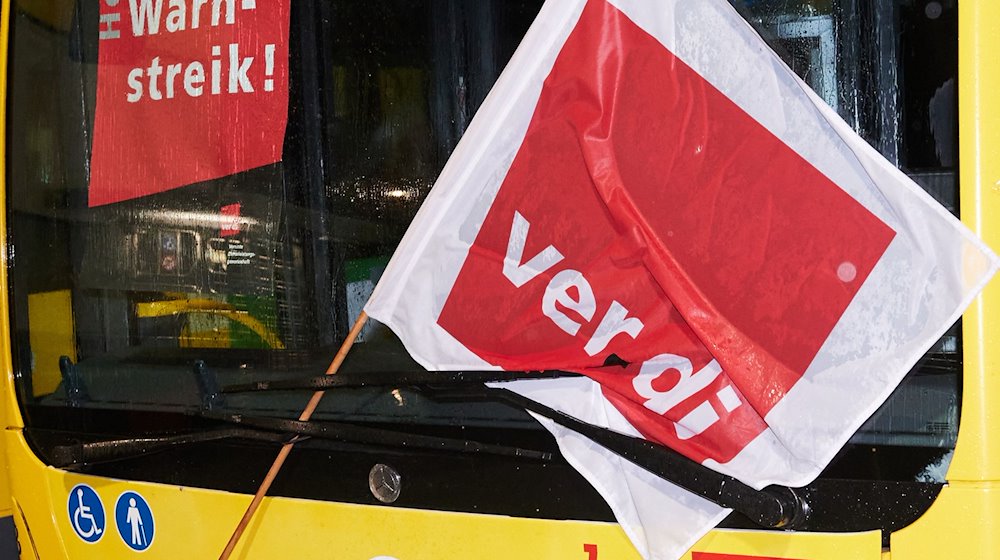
(650, 197)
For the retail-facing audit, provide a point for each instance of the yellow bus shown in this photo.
(126, 322)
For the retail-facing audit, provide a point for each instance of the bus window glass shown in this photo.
(121, 307)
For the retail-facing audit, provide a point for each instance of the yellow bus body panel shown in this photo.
(196, 523)
(964, 522)
(8, 398)
(977, 455)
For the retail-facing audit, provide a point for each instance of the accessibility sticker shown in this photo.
(134, 520)
(86, 513)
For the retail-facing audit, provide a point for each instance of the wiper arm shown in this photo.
(276, 430)
(392, 378)
(775, 506)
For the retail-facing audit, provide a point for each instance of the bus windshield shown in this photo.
(128, 309)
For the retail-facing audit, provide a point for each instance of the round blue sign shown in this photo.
(134, 520)
(86, 513)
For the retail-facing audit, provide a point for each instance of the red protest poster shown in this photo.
(187, 91)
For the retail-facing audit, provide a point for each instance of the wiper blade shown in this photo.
(279, 431)
(392, 379)
(352, 433)
(67, 456)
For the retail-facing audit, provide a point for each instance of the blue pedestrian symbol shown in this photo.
(86, 513)
(135, 521)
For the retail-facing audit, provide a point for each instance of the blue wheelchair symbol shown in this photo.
(135, 521)
(86, 513)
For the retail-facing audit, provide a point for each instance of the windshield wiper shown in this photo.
(391, 378)
(775, 506)
(78, 454)
(353, 433)
(279, 431)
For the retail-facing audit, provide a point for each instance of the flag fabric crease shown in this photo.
(650, 197)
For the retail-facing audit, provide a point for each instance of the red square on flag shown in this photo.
(666, 199)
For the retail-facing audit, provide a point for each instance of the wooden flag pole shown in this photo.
(287, 448)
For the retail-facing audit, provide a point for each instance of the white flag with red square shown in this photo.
(650, 197)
